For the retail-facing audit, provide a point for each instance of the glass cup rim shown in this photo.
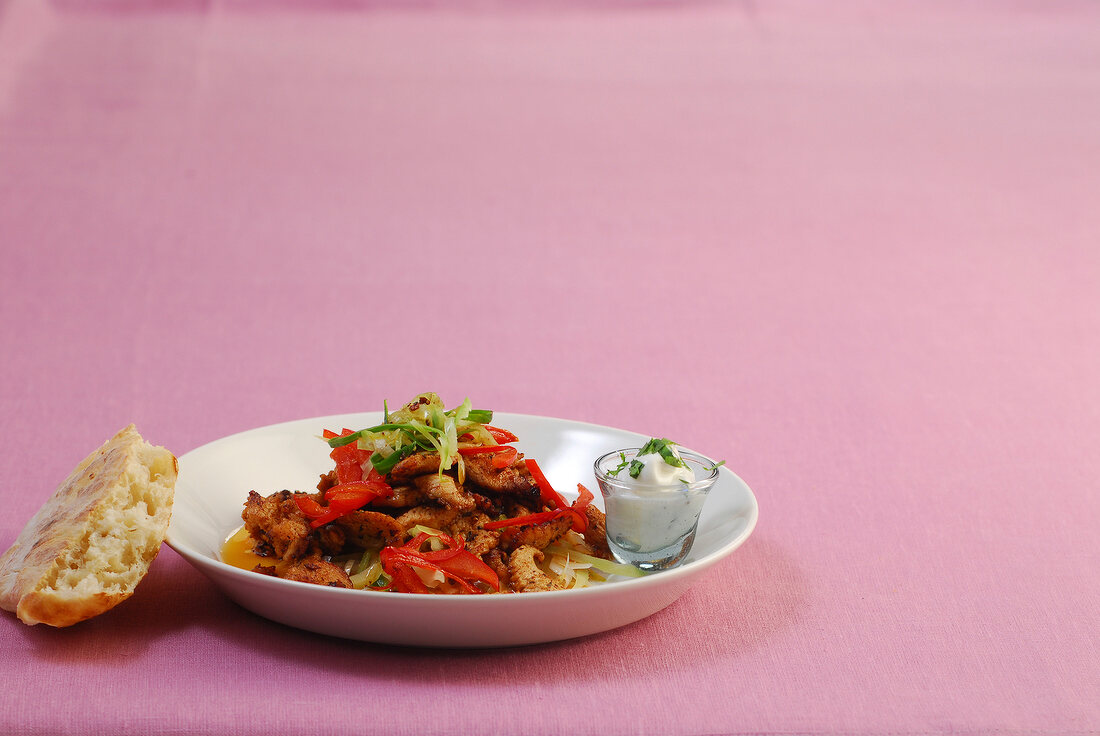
(700, 483)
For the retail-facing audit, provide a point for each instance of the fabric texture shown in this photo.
(850, 249)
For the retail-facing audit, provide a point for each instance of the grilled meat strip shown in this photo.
(596, 533)
(539, 536)
(524, 572)
(515, 479)
(443, 489)
(278, 524)
(420, 463)
(314, 569)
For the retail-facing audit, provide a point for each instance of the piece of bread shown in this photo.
(92, 542)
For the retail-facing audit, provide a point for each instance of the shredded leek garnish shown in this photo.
(367, 577)
(611, 568)
(434, 541)
(572, 573)
(423, 424)
(421, 529)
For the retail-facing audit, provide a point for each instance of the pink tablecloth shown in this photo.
(852, 249)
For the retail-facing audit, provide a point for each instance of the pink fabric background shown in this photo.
(851, 249)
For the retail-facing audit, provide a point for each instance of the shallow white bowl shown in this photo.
(215, 479)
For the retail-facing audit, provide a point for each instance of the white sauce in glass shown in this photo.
(659, 474)
(657, 509)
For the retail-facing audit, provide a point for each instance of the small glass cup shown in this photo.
(652, 527)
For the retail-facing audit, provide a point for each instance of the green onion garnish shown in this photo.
(348, 439)
(345, 440)
(481, 416)
(384, 464)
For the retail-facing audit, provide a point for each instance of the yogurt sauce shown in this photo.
(656, 510)
(659, 474)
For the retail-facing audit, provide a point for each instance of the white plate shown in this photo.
(215, 479)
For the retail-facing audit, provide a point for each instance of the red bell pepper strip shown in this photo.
(550, 497)
(328, 434)
(342, 499)
(349, 458)
(349, 497)
(455, 562)
(454, 547)
(404, 579)
(370, 488)
(505, 458)
(318, 514)
(580, 519)
(584, 497)
(464, 565)
(329, 516)
(417, 542)
(309, 506)
(390, 555)
(501, 435)
(482, 449)
(393, 556)
(375, 477)
(576, 510)
(504, 455)
(554, 499)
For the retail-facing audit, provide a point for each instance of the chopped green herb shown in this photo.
(664, 449)
(619, 469)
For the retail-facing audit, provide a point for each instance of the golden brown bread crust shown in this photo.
(90, 544)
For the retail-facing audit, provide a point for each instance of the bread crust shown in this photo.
(92, 542)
